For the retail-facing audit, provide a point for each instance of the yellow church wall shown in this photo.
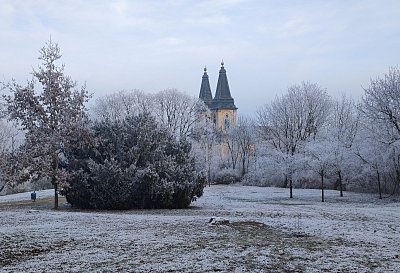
(220, 118)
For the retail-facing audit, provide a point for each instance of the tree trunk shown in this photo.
(54, 180)
(397, 182)
(291, 187)
(209, 176)
(379, 184)
(248, 163)
(322, 188)
(340, 183)
(243, 166)
(285, 182)
(55, 196)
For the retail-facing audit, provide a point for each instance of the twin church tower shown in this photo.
(222, 106)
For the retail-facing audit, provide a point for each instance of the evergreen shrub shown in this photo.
(133, 163)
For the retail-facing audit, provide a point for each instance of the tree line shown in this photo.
(303, 138)
(317, 141)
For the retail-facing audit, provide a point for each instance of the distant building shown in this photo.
(222, 106)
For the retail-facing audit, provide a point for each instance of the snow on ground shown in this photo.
(254, 230)
(25, 196)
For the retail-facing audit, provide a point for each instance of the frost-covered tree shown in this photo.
(49, 115)
(393, 159)
(380, 111)
(295, 117)
(245, 135)
(381, 104)
(341, 133)
(370, 153)
(230, 141)
(174, 109)
(7, 130)
(290, 120)
(267, 168)
(132, 163)
(119, 105)
(320, 155)
(240, 141)
(204, 140)
(177, 111)
(10, 140)
(9, 147)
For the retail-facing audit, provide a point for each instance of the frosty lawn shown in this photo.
(266, 232)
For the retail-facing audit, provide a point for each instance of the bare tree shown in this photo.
(342, 132)
(177, 111)
(295, 117)
(10, 140)
(381, 103)
(292, 119)
(240, 141)
(229, 138)
(119, 105)
(370, 152)
(49, 117)
(8, 130)
(380, 108)
(320, 158)
(204, 142)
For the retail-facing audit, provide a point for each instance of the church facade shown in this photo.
(222, 106)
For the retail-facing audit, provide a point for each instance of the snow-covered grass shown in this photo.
(25, 196)
(254, 230)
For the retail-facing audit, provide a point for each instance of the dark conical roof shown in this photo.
(205, 90)
(223, 98)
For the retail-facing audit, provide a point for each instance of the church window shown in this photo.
(227, 122)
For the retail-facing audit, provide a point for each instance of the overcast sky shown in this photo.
(153, 45)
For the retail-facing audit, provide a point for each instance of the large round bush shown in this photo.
(132, 163)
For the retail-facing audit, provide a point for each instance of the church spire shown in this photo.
(205, 90)
(223, 98)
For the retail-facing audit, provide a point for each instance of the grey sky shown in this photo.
(152, 45)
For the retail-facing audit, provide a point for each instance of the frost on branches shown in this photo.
(177, 111)
(132, 163)
(50, 110)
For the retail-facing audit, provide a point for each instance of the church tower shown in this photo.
(205, 90)
(223, 106)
